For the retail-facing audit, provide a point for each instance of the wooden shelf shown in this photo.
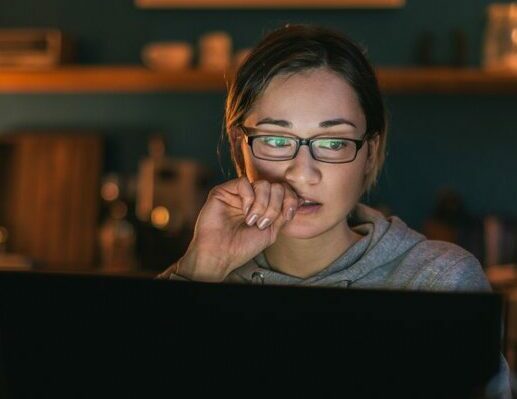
(137, 79)
(447, 80)
(106, 79)
(270, 3)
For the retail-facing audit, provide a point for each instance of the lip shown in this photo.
(309, 199)
(306, 210)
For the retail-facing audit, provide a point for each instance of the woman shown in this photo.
(306, 124)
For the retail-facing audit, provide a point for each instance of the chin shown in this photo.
(302, 231)
(307, 228)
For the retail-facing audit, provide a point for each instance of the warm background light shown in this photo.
(160, 217)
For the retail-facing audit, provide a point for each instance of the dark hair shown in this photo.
(295, 48)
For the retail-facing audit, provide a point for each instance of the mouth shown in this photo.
(309, 206)
(309, 201)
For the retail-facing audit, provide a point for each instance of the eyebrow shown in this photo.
(277, 122)
(336, 122)
(324, 124)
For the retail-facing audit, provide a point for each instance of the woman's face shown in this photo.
(307, 104)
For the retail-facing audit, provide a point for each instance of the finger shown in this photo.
(291, 202)
(261, 202)
(247, 194)
(236, 193)
(274, 208)
(277, 225)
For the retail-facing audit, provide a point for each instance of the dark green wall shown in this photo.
(466, 142)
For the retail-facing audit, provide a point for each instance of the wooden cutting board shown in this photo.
(49, 196)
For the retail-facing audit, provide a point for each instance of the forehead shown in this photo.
(306, 98)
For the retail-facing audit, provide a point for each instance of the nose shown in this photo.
(303, 169)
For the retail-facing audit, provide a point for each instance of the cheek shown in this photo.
(346, 180)
(271, 171)
(260, 170)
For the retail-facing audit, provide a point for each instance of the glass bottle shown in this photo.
(500, 41)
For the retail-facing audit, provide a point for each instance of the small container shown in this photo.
(171, 56)
(500, 42)
(215, 51)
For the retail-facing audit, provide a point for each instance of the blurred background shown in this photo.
(111, 116)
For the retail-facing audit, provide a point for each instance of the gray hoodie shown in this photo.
(390, 255)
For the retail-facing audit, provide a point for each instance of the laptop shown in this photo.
(86, 336)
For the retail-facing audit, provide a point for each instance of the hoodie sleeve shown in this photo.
(168, 274)
(499, 385)
(463, 275)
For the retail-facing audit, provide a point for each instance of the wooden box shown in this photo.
(34, 49)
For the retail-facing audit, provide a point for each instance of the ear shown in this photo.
(373, 147)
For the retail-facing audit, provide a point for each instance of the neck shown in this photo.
(306, 257)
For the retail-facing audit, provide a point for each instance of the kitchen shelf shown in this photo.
(138, 79)
(106, 79)
(269, 3)
(447, 80)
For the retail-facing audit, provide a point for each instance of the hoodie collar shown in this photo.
(384, 239)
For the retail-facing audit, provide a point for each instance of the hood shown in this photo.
(384, 240)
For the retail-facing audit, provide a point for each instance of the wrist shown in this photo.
(199, 266)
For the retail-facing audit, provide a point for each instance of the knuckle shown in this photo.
(246, 191)
(248, 198)
(214, 191)
(278, 188)
(244, 182)
(262, 184)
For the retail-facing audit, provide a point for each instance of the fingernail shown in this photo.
(247, 209)
(252, 219)
(300, 201)
(290, 213)
(263, 223)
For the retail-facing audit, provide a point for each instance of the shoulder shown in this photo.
(447, 266)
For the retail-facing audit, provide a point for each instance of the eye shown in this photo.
(332, 144)
(276, 141)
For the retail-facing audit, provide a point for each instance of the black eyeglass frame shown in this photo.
(299, 142)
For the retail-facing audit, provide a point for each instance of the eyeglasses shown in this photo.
(284, 148)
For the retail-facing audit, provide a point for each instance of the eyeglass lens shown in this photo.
(277, 148)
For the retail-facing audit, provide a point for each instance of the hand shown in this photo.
(238, 221)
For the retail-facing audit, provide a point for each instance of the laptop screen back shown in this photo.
(86, 336)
